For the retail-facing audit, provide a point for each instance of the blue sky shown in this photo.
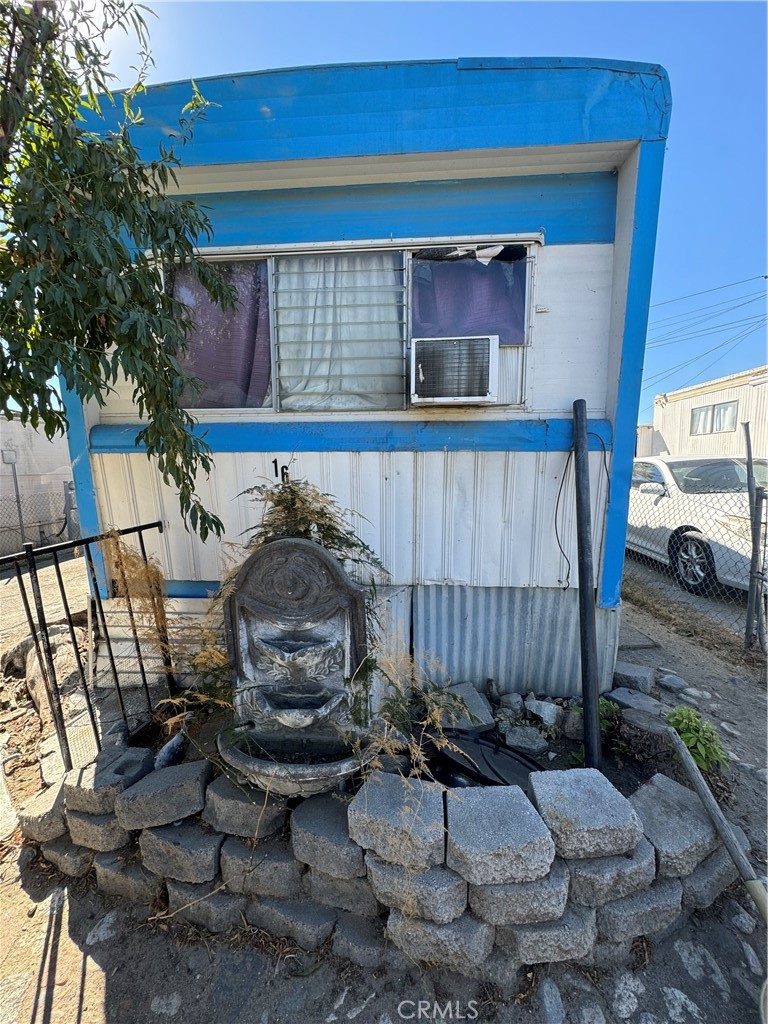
(712, 228)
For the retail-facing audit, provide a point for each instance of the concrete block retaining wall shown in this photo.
(478, 880)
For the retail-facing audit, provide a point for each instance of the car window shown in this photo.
(646, 473)
(716, 477)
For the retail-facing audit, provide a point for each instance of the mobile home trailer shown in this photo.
(434, 260)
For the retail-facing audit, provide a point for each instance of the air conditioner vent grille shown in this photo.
(454, 369)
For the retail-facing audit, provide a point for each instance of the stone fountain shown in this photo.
(295, 629)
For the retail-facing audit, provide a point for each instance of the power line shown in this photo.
(746, 280)
(688, 362)
(728, 303)
(709, 331)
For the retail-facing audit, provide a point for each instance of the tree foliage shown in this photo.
(86, 228)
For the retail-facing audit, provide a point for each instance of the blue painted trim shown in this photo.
(371, 436)
(406, 107)
(191, 588)
(569, 208)
(82, 477)
(651, 161)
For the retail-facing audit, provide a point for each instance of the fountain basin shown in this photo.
(292, 765)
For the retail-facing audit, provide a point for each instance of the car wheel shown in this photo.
(692, 563)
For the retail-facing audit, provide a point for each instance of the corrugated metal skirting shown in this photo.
(523, 638)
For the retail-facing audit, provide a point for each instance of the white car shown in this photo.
(692, 513)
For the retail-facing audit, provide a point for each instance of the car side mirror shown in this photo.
(653, 488)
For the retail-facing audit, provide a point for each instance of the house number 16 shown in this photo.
(281, 472)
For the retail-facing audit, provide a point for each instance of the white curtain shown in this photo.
(725, 417)
(701, 420)
(339, 330)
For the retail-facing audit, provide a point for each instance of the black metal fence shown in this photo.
(696, 543)
(128, 667)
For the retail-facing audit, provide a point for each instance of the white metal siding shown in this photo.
(482, 519)
(672, 422)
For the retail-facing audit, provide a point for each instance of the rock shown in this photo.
(186, 852)
(512, 702)
(307, 923)
(598, 880)
(462, 944)
(695, 694)
(65, 666)
(715, 873)
(587, 816)
(478, 716)
(550, 1003)
(676, 823)
(569, 938)
(672, 683)
(729, 730)
(42, 818)
(101, 832)
(71, 860)
(526, 738)
(522, 902)
(320, 837)
(205, 906)
(93, 789)
(633, 677)
(626, 698)
(573, 725)
(241, 810)
(643, 913)
(496, 836)
(164, 796)
(360, 940)
(743, 921)
(399, 819)
(118, 875)
(266, 869)
(437, 894)
(547, 712)
(606, 955)
(352, 894)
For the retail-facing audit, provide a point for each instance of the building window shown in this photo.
(714, 419)
(329, 331)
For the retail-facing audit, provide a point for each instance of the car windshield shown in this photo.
(761, 472)
(716, 477)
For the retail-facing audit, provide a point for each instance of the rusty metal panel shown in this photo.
(522, 638)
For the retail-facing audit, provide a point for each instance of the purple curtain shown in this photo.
(229, 350)
(465, 297)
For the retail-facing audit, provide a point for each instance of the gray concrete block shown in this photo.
(360, 939)
(186, 852)
(320, 837)
(307, 923)
(267, 868)
(523, 902)
(42, 818)
(459, 945)
(605, 954)
(93, 789)
(550, 714)
(101, 832)
(671, 683)
(495, 836)
(479, 715)
(587, 816)
(676, 823)
(352, 894)
(599, 880)
(71, 860)
(643, 913)
(526, 738)
(437, 894)
(569, 938)
(634, 677)
(399, 819)
(715, 873)
(117, 874)
(164, 796)
(636, 700)
(206, 905)
(241, 810)
(503, 972)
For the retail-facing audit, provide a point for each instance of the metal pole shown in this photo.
(18, 503)
(755, 516)
(53, 691)
(590, 691)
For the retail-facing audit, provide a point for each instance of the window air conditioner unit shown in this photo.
(454, 371)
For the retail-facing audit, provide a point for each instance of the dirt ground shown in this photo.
(71, 956)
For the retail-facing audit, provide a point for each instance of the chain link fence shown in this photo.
(693, 546)
(43, 517)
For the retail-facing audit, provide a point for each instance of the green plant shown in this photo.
(700, 738)
(610, 732)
